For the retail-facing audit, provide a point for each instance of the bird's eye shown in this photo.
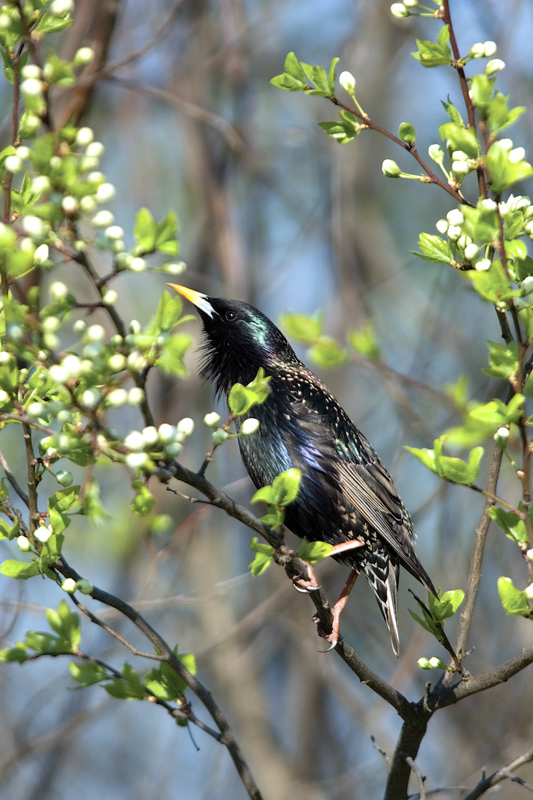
(230, 316)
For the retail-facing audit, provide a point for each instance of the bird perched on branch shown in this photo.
(346, 494)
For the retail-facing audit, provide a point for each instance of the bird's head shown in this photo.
(238, 340)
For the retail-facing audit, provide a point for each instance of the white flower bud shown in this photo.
(435, 662)
(249, 426)
(454, 232)
(483, 264)
(31, 87)
(84, 137)
(58, 8)
(516, 155)
(69, 584)
(116, 397)
(442, 225)
(84, 586)
(43, 533)
(137, 460)
(389, 167)
(24, 543)
(471, 250)
(105, 191)
(436, 153)
(31, 71)
(186, 426)
(91, 397)
(455, 217)
(399, 10)
(88, 203)
(460, 167)
(135, 396)
(41, 184)
(167, 433)
(212, 419)
(69, 205)
(494, 66)
(103, 219)
(150, 435)
(175, 268)
(526, 287)
(137, 265)
(83, 56)
(347, 81)
(477, 50)
(14, 164)
(95, 333)
(41, 254)
(114, 232)
(489, 48)
(109, 297)
(488, 204)
(134, 441)
(94, 150)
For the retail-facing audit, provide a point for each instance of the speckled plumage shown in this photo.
(345, 492)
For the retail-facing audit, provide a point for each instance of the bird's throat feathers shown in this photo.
(238, 340)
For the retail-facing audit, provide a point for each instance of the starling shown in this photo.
(346, 494)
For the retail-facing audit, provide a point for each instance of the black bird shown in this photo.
(346, 494)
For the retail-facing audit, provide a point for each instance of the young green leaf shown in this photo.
(513, 600)
(313, 551)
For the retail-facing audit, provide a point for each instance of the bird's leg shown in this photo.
(336, 611)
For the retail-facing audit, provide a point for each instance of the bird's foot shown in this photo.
(332, 637)
(301, 583)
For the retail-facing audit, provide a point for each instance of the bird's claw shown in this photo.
(332, 638)
(302, 584)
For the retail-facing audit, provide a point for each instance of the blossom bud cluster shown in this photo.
(167, 438)
(482, 50)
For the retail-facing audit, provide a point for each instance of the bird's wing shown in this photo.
(372, 493)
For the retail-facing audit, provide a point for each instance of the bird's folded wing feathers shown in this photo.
(382, 512)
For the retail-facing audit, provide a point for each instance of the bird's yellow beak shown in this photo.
(201, 301)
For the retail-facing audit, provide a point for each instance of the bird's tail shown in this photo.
(383, 576)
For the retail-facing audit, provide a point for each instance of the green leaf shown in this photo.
(434, 54)
(165, 239)
(503, 172)
(364, 341)
(51, 550)
(294, 78)
(242, 398)
(87, 674)
(286, 487)
(510, 523)
(460, 138)
(304, 328)
(143, 502)
(434, 249)
(317, 76)
(263, 556)
(427, 623)
(503, 360)
(343, 131)
(446, 605)
(167, 316)
(492, 284)
(496, 413)
(294, 68)
(129, 687)
(145, 231)
(513, 600)
(21, 570)
(173, 352)
(18, 653)
(407, 133)
(452, 469)
(59, 503)
(313, 551)
(481, 91)
(497, 114)
(328, 353)
(66, 624)
(165, 683)
(49, 23)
